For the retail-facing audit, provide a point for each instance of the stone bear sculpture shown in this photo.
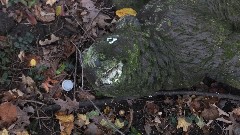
(171, 44)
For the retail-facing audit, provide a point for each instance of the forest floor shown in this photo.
(40, 47)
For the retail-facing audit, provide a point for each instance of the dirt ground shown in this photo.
(40, 47)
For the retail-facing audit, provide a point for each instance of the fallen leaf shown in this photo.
(30, 18)
(119, 124)
(4, 2)
(126, 11)
(236, 113)
(51, 2)
(210, 113)
(183, 123)
(66, 123)
(8, 113)
(11, 95)
(47, 84)
(33, 63)
(27, 80)
(69, 104)
(3, 38)
(82, 120)
(60, 10)
(84, 95)
(92, 129)
(151, 107)
(47, 41)
(147, 129)
(21, 55)
(4, 132)
(22, 132)
(42, 15)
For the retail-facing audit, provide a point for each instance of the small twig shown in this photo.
(33, 101)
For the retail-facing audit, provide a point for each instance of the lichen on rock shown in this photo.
(170, 45)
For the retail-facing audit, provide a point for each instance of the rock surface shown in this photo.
(175, 45)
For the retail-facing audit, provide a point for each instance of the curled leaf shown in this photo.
(126, 11)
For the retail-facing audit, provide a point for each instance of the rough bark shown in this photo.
(175, 45)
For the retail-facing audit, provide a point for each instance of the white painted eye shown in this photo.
(111, 40)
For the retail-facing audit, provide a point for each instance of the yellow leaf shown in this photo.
(33, 62)
(66, 123)
(118, 123)
(183, 123)
(4, 132)
(126, 11)
(58, 10)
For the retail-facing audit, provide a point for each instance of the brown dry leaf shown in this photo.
(100, 20)
(151, 107)
(147, 129)
(84, 95)
(236, 113)
(183, 123)
(22, 119)
(3, 38)
(47, 41)
(8, 113)
(11, 95)
(30, 18)
(48, 84)
(51, 2)
(66, 123)
(92, 129)
(92, 12)
(27, 80)
(44, 16)
(210, 113)
(4, 132)
(69, 104)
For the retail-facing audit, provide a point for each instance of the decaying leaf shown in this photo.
(126, 11)
(4, 2)
(210, 113)
(22, 119)
(119, 124)
(151, 107)
(27, 80)
(4, 132)
(51, 2)
(148, 129)
(182, 123)
(8, 113)
(21, 55)
(22, 132)
(66, 123)
(82, 120)
(84, 95)
(47, 84)
(69, 104)
(11, 95)
(44, 16)
(47, 41)
(30, 18)
(92, 129)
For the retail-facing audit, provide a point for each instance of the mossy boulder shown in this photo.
(171, 45)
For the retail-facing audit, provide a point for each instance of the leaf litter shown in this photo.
(37, 84)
